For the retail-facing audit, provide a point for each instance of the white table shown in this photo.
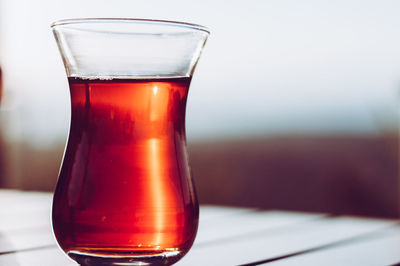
(227, 236)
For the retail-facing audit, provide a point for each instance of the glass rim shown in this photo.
(160, 22)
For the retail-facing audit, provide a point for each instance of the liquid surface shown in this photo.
(125, 187)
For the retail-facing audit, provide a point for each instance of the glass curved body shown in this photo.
(125, 195)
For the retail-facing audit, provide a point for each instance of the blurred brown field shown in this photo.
(335, 174)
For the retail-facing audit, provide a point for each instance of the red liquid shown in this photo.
(125, 187)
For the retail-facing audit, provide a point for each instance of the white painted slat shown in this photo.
(23, 236)
(26, 239)
(226, 227)
(227, 236)
(13, 201)
(21, 210)
(283, 241)
(26, 221)
(216, 223)
(40, 257)
(381, 250)
(210, 212)
(210, 230)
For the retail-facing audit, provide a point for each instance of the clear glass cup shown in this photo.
(125, 194)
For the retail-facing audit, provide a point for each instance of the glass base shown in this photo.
(97, 258)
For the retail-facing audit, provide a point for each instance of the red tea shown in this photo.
(125, 188)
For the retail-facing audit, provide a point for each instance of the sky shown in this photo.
(269, 67)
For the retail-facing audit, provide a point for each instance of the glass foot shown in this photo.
(127, 259)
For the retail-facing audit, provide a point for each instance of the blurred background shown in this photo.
(293, 106)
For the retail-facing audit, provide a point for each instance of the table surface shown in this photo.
(226, 236)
